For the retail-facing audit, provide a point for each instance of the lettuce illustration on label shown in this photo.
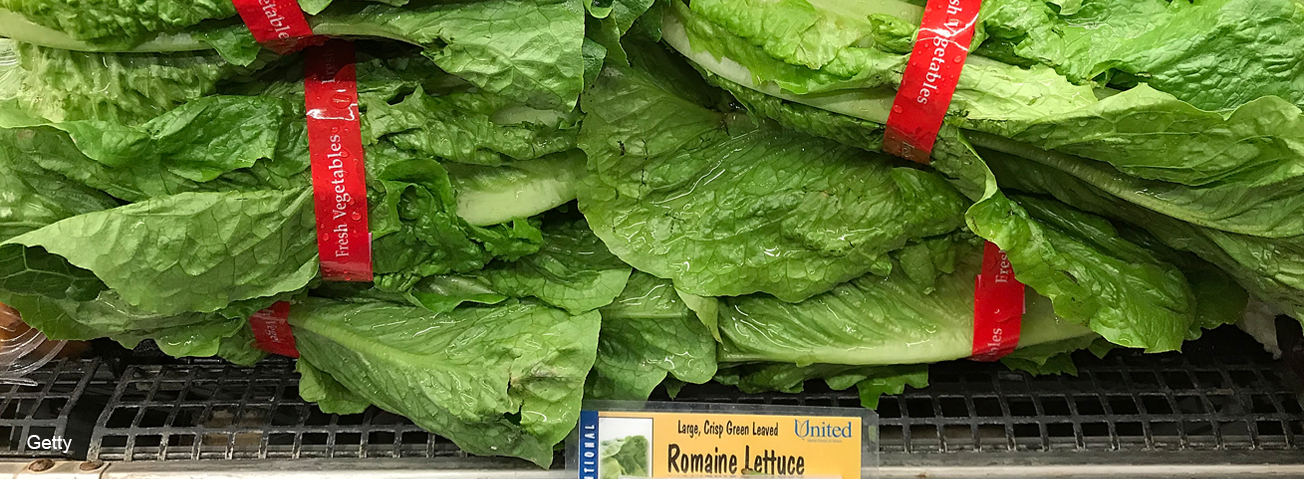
(625, 457)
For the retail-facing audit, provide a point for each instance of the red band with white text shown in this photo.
(338, 182)
(930, 78)
(272, 330)
(998, 307)
(335, 149)
(277, 24)
(927, 86)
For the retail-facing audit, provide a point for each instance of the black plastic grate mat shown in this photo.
(59, 406)
(1125, 402)
(214, 410)
(1223, 394)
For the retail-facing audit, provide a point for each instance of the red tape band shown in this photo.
(277, 24)
(335, 149)
(930, 78)
(927, 86)
(272, 330)
(998, 307)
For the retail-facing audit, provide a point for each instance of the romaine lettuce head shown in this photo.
(1204, 133)
(191, 201)
(684, 187)
(708, 199)
(527, 50)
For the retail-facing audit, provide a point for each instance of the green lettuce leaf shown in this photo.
(442, 294)
(477, 128)
(1232, 169)
(196, 340)
(1272, 269)
(608, 23)
(861, 79)
(890, 380)
(415, 229)
(647, 334)
(679, 190)
(816, 34)
(108, 315)
(150, 176)
(526, 50)
(32, 197)
(500, 380)
(195, 141)
(1130, 296)
(488, 195)
(332, 397)
(876, 320)
(1256, 144)
(1056, 364)
(573, 270)
(1092, 276)
(125, 88)
(1200, 53)
(187, 252)
(117, 24)
(707, 309)
(1215, 54)
(1049, 358)
(1266, 209)
(256, 144)
(241, 348)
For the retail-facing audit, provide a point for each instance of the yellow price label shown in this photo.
(632, 444)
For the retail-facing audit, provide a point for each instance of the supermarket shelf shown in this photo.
(1222, 409)
(1224, 395)
(413, 468)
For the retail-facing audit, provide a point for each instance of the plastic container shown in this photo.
(23, 349)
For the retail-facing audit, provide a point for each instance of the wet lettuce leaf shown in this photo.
(919, 313)
(1203, 54)
(187, 252)
(526, 50)
(1093, 277)
(32, 197)
(125, 88)
(649, 334)
(1271, 269)
(332, 397)
(117, 24)
(496, 380)
(488, 195)
(572, 270)
(609, 22)
(108, 315)
(1215, 55)
(214, 153)
(719, 201)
